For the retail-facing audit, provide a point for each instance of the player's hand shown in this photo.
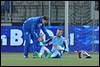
(40, 39)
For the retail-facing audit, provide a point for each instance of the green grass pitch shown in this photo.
(17, 59)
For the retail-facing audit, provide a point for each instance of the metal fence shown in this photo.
(79, 11)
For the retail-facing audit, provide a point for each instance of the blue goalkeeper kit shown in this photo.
(31, 30)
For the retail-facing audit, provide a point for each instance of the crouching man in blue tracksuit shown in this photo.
(31, 30)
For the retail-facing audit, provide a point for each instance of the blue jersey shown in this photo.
(33, 26)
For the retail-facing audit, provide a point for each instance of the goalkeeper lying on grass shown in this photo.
(58, 43)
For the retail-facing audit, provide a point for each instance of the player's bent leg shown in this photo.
(56, 54)
(41, 52)
(34, 46)
(36, 53)
(47, 51)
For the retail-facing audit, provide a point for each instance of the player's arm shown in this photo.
(44, 30)
(48, 40)
(33, 31)
(66, 46)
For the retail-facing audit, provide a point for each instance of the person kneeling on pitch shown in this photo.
(58, 45)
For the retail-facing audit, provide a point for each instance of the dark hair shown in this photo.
(45, 18)
(60, 29)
